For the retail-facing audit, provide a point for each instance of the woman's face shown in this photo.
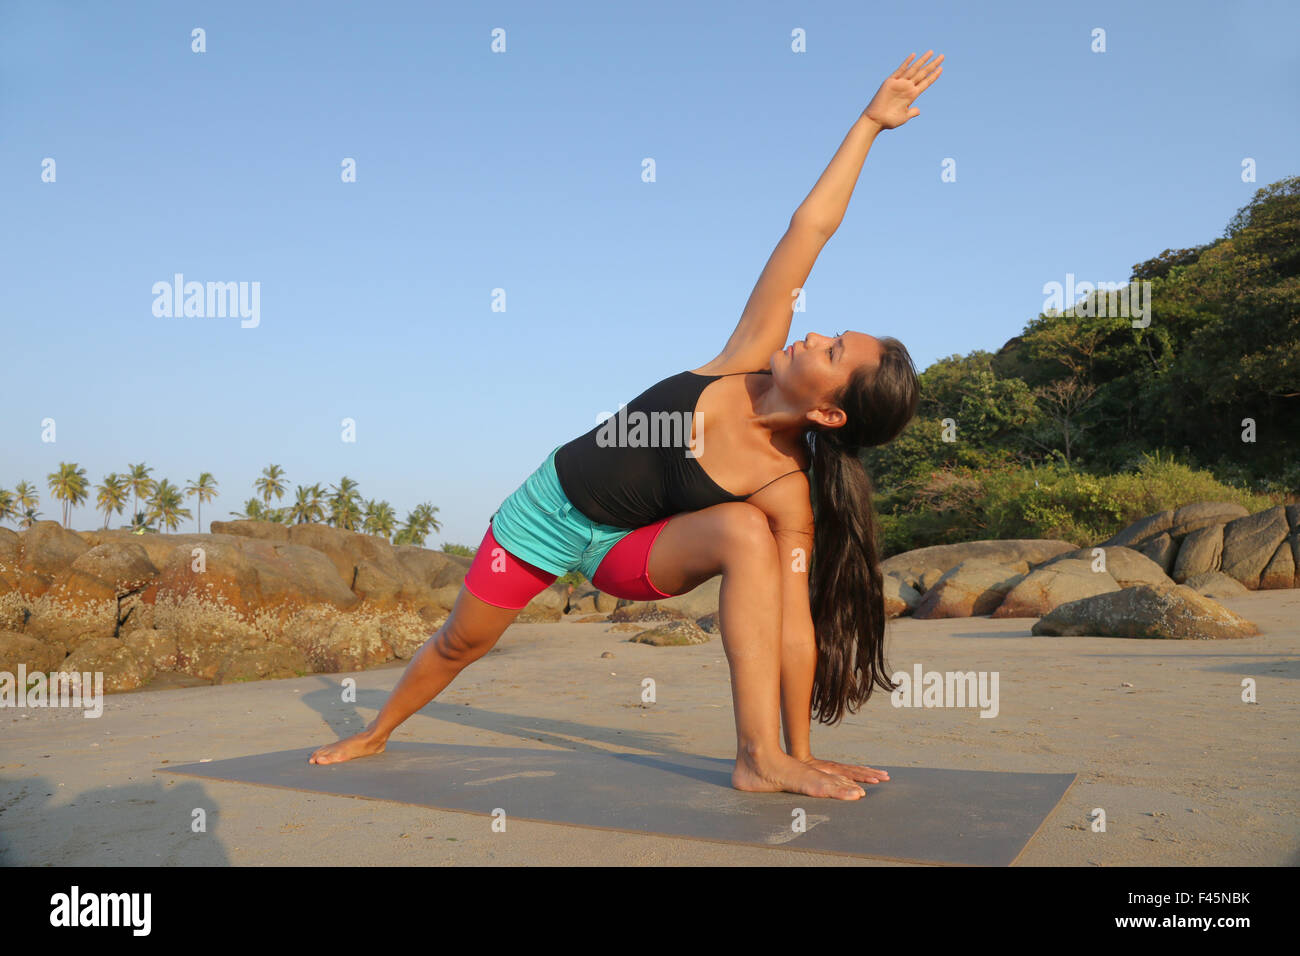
(811, 370)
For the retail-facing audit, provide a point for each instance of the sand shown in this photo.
(1186, 772)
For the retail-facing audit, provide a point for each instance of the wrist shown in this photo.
(870, 125)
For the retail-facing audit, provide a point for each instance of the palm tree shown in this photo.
(141, 485)
(8, 505)
(254, 509)
(69, 485)
(270, 483)
(27, 500)
(344, 510)
(419, 523)
(165, 505)
(380, 519)
(112, 495)
(206, 489)
(307, 505)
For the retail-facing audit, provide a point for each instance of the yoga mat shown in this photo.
(922, 814)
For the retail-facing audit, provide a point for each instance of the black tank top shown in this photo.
(632, 472)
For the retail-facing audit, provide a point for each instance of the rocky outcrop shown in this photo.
(1216, 585)
(1046, 588)
(900, 597)
(975, 586)
(1129, 568)
(943, 557)
(1177, 613)
(1261, 551)
(671, 634)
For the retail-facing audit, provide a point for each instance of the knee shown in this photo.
(455, 645)
(746, 532)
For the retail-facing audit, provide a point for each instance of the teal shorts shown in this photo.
(539, 524)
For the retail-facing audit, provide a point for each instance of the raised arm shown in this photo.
(764, 326)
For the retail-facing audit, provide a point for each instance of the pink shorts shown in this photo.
(498, 578)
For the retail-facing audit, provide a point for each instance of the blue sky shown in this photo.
(522, 171)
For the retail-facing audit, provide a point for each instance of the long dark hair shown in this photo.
(845, 588)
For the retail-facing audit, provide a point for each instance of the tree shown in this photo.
(69, 486)
(271, 483)
(205, 489)
(137, 477)
(345, 512)
(165, 506)
(112, 495)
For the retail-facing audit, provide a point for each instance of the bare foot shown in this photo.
(358, 745)
(783, 773)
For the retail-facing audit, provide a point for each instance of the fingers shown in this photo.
(922, 69)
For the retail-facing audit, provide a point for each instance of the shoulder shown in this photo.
(787, 502)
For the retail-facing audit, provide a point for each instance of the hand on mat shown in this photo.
(891, 107)
(852, 771)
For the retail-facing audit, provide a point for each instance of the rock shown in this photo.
(593, 618)
(1177, 613)
(1141, 531)
(900, 597)
(645, 611)
(155, 646)
(1280, 570)
(334, 641)
(929, 578)
(270, 661)
(122, 668)
(605, 603)
(1249, 544)
(1204, 514)
(671, 634)
(534, 613)
(1046, 588)
(1128, 567)
(1216, 585)
(708, 623)
(45, 550)
(446, 595)
(248, 528)
(582, 601)
(1160, 549)
(974, 587)
(23, 649)
(1293, 540)
(14, 612)
(1200, 551)
(1005, 552)
(627, 626)
(697, 602)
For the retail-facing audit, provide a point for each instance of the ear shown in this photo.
(828, 416)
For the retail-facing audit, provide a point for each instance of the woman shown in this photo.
(645, 519)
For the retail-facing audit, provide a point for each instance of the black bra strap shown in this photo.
(777, 478)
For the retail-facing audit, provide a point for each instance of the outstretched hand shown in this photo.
(891, 107)
(852, 771)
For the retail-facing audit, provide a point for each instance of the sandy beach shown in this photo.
(1157, 731)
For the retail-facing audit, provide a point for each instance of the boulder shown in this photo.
(671, 634)
(155, 646)
(605, 603)
(1216, 585)
(1201, 551)
(123, 668)
(1280, 570)
(45, 550)
(1177, 613)
(1141, 531)
(249, 528)
(701, 600)
(900, 597)
(1249, 544)
(973, 587)
(1046, 588)
(1161, 549)
(269, 661)
(929, 578)
(709, 623)
(14, 611)
(637, 611)
(1204, 514)
(1128, 567)
(16, 649)
(1008, 552)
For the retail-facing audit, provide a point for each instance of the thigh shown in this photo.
(498, 578)
(696, 545)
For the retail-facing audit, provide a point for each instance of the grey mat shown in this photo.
(922, 814)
